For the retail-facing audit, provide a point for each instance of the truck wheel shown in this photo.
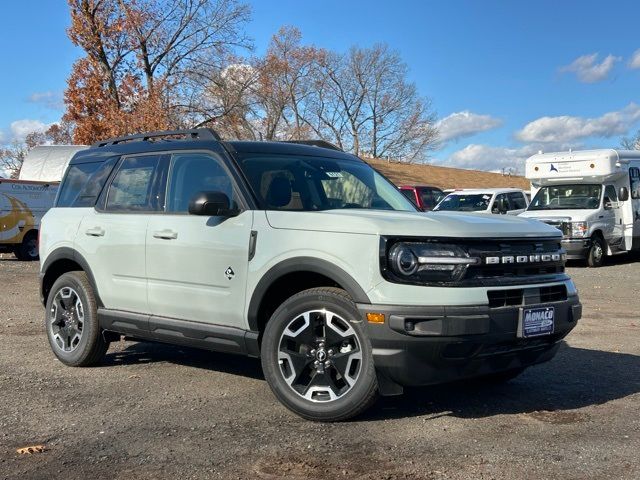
(317, 358)
(72, 322)
(28, 249)
(596, 252)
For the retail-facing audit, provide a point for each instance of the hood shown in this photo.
(429, 224)
(581, 215)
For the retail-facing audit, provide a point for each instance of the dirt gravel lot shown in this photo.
(157, 411)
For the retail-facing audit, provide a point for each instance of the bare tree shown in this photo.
(631, 143)
(11, 158)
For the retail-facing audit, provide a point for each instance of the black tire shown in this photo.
(84, 345)
(27, 251)
(354, 357)
(597, 252)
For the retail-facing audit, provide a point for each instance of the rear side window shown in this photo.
(74, 181)
(517, 201)
(409, 194)
(133, 187)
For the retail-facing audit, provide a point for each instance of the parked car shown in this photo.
(301, 255)
(511, 201)
(592, 196)
(422, 196)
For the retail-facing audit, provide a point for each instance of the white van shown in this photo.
(24, 202)
(511, 201)
(593, 196)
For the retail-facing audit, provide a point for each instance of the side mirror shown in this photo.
(623, 194)
(606, 203)
(211, 204)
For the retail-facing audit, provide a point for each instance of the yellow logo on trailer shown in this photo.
(17, 222)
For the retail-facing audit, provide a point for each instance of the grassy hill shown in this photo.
(445, 177)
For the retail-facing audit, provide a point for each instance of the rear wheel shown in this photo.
(28, 249)
(596, 254)
(72, 322)
(316, 357)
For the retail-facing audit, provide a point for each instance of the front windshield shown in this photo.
(309, 183)
(465, 202)
(567, 197)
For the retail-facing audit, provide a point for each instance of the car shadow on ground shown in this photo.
(151, 352)
(575, 378)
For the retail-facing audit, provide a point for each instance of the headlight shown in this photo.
(579, 229)
(429, 262)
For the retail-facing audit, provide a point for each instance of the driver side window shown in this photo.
(610, 193)
(191, 173)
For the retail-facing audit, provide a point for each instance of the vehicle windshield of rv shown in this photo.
(465, 202)
(561, 197)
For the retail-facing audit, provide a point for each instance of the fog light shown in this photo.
(375, 317)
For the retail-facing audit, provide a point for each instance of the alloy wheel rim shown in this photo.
(320, 356)
(66, 319)
(597, 252)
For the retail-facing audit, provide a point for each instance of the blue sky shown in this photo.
(506, 78)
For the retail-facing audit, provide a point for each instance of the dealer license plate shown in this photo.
(535, 322)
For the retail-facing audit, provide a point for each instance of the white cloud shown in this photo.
(489, 158)
(49, 99)
(19, 129)
(588, 70)
(566, 129)
(465, 124)
(634, 61)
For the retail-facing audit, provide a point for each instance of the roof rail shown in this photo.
(189, 134)
(316, 143)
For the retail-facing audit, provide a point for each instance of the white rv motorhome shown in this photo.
(593, 196)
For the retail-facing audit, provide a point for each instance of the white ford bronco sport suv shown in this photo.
(299, 254)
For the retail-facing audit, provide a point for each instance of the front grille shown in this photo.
(515, 249)
(530, 296)
(505, 298)
(555, 293)
(564, 227)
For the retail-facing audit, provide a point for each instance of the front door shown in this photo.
(613, 217)
(197, 265)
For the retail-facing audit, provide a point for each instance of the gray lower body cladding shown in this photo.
(431, 345)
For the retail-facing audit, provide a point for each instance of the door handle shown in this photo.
(95, 232)
(165, 234)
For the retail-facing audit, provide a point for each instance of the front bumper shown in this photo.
(430, 345)
(576, 248)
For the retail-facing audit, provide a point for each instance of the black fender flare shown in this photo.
(67, 253)
(302, 264)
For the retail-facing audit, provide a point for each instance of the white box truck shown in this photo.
(593, 196)
(24, 202)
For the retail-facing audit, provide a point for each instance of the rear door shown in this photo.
(197, 265)
(112, 236)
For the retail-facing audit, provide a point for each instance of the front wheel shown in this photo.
(595, 257)
(317, 358)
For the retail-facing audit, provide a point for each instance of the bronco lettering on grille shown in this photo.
(536, 258)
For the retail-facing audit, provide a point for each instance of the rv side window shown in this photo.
(634, 173)
(74, 181)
